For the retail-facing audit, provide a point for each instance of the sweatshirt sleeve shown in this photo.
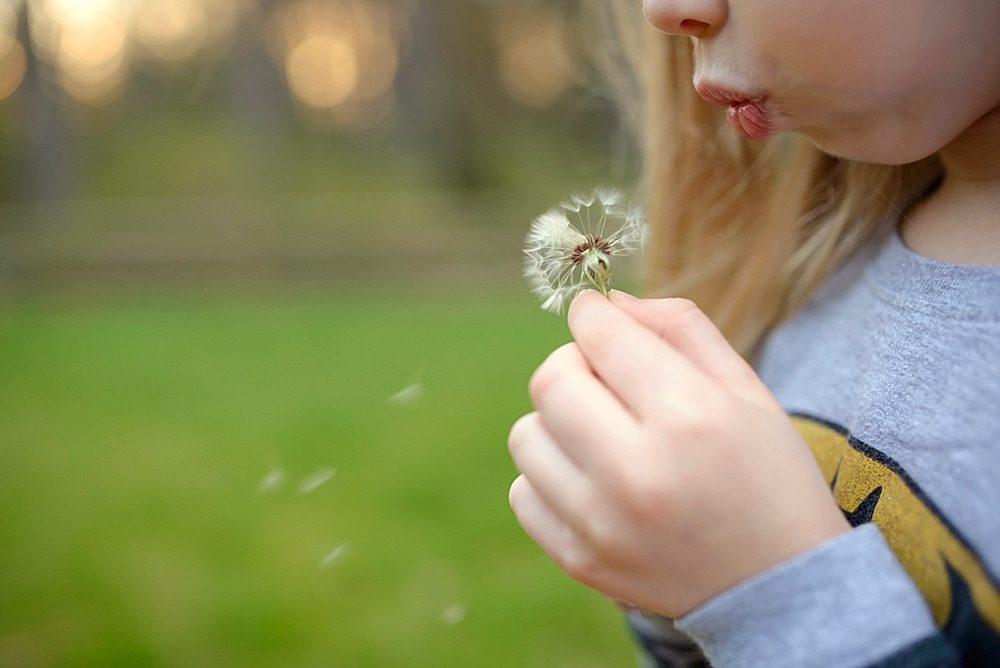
(847, 602)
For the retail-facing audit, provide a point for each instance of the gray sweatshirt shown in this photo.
(892, 375)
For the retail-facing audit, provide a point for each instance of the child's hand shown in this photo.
(658, 468)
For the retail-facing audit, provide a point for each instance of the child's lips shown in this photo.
(746, 112)
(750, 118)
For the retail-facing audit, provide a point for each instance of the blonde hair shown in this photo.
(745, 229)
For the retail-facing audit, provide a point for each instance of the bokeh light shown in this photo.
(13, 59)
(87, 41)
(171, 30)
(323, 70)
(340, 58)
(535, 55)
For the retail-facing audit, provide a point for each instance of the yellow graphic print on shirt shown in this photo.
(963, 596)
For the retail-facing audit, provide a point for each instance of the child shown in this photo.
(823, 182)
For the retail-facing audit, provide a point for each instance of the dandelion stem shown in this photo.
(597, 270)
(601, 284)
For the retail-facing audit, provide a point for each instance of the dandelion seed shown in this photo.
(334, 555)
(271, 481)
(453, 614)
(571, 246)
(408, 394)
(314, 480)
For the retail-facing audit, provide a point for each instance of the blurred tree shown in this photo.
(46, 149)
(447, 86)
(258, 95)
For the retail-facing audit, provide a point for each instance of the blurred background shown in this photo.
(263, 330)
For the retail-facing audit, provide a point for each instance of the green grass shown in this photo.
(134, 437)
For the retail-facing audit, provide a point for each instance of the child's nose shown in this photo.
(695, 18)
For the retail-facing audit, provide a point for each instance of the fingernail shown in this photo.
(572, 305)
(619, 296)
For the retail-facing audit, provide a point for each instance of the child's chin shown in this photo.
(880, 150)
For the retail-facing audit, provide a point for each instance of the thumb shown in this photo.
(681, 324)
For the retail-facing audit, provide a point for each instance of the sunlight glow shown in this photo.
(340, 58)
(323, 70)
(172, 30)
(535, 57)
(87, 42)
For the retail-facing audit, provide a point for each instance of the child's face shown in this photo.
(888, 81)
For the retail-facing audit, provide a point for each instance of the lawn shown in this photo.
(276, 481)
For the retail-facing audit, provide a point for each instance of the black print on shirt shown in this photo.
(871, 487)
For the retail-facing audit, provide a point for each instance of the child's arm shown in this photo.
(660, 470)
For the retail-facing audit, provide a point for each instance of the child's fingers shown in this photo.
(636, 364)
(687, 329)
(541, 524)
(555, 477)
(582, 415)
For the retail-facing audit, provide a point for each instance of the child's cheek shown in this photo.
(825, 44)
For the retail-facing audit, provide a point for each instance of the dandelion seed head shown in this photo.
(271, 481)
(408, 394)
(571, 246)
(453, 614)
(334, 555)
(605, 197)
(315, 480)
